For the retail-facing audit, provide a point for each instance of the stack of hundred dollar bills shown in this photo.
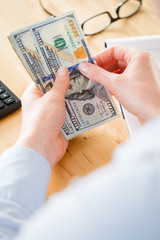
(56, 42)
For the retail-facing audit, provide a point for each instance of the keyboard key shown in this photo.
(4, 95)
(10, 100)
(1, 104)
(2, 90)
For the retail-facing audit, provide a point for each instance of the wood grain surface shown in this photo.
(94, 148)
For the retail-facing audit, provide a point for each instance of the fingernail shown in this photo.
(62, 71)
(84, 67)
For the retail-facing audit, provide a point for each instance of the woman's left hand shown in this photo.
(43, 117)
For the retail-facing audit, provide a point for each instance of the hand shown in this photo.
(43, 117)
(137, 88)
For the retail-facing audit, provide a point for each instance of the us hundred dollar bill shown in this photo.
(61, 42)
(24, 45)
(88, 103)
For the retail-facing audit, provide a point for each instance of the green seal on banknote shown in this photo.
(60, 43)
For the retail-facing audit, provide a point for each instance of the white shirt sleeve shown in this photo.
(118, 201)
(24, 179)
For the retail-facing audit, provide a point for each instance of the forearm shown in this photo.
(24, 178)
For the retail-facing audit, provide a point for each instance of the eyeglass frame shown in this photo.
(112, 19)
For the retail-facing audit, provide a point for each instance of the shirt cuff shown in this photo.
(24, 177)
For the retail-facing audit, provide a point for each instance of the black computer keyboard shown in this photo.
(9, 102)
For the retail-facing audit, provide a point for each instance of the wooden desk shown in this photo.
(95, 147)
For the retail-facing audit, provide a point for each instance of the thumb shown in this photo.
(61, 84)
(99, 75)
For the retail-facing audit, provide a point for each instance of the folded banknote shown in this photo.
(46, 46)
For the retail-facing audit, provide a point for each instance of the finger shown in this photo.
(99, 75)
(32, 92)
(35, 90)
(115, 53)
(113, 66)
(61, 84)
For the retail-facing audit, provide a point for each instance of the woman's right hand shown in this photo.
(137, 88)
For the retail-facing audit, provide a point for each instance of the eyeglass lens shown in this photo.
(98, 23)
(101, 21)
(129, 8)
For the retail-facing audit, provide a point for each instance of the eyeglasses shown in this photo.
(101, 21)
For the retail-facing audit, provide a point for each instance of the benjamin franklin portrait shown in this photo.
(78, 89)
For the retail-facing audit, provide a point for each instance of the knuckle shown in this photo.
(59, 88)
(58, 97)
(144, 55)
(113, 83)
(61, 81)
(97, 70)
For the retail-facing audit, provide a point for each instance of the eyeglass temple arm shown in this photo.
(46, 10)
